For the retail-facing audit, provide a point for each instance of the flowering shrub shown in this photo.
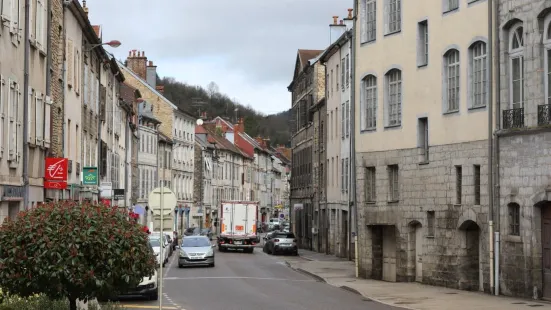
(74, 251)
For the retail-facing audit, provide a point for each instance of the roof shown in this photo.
(97, 30)
(332, 49)
(243, 135)
(306, 55)
(145, 109)
(121, 65)
(220, 140)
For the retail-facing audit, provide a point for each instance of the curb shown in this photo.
(352, 290)
(313, 275)
(307, 258)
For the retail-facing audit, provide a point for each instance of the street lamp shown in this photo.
(112, 43)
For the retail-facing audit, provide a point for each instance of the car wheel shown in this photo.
(154, 296)
(251, 250)
(211, 265)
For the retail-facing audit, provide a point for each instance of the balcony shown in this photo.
(513, 118)
(544, 114)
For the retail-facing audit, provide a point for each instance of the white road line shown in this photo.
(237, 278)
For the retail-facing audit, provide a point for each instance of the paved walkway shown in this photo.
(341, 273)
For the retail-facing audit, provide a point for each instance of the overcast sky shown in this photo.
(248, 47)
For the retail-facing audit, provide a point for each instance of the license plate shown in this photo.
(285, 244)
(195, 257)
(238, 242)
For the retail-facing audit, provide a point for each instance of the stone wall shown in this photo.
(57, 51)
(197, 173)
(422, 188)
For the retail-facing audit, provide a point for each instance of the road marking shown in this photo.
(150, 307)
(237, 278)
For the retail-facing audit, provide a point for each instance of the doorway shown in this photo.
(546, 249)
(469, 263)
(415, 247)
(343, 234)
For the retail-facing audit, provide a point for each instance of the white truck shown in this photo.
(238, 226)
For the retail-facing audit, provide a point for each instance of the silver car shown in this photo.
(196, 251)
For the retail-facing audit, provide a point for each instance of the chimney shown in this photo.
(266, 142)
(151, 74)
(349, 20)
(336, 30)
(84, 7)
(239, 127)
(137, 63)
(160, 89)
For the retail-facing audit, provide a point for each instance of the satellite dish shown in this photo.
(199, 122)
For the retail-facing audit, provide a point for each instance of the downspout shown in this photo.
(490, 144)
(352, 46)
(319, 179)
(64, 93)
(48, 79)
(291, 209)
(327, 213)
(26, 60)
(126, 150)
(497, 52)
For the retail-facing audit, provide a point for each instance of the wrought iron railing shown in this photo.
(544, 114)
(513, 118)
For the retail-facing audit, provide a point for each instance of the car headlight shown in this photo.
(183, 253)
(210, 253)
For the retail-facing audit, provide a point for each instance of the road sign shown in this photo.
(169, 201)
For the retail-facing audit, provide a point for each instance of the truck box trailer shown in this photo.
(238, 226)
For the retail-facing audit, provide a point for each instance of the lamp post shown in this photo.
(112, 43)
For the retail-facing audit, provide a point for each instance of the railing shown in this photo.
(544, 114)
(513, 118)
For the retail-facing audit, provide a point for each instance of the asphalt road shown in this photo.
(255, 281)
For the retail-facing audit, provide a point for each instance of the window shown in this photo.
(393, 16)
(41, 24)
(516, 65)
(347, 175)
(423, 138)
(393, 183)
(343, 73)
(430, 223)
(423, 43)
(478, 79)
(347, 118)
(450, 5)
(70, 63)
(458, 184)
(370, 184)
(337, 73)
(369, 102)
(347, 70)
(343, 118)
(514, 219)
(369, 20)
(342, 174)
(394, 97)
(40, 117)
(331, 83)
(477, 184)
(14, 123)
(547, 59)
(451, 81)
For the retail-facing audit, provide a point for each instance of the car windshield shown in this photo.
(205, 231)
(190, 230)
(155, 242)
(195, 242)
(285, 236)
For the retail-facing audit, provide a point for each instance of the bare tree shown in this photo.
(213, 89)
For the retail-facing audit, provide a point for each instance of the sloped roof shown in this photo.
(243, 135)
(121, 65)
(222, 141)
(306, 55)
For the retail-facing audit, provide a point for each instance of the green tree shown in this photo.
(72, 250)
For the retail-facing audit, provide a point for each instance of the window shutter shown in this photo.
(32, 19)
(6, 10)
(363, 21)
(342, 121)
(39, 119)
(70, 62)
(17, 123)
(47, 121)
(32, 118)
(363, 106)
(2, 115)
(386, 16)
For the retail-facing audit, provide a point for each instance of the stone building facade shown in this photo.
(57, 49)
(524, 141)
(307, 88)
(421, 151)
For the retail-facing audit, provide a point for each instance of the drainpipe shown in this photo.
(496, 142)
(126, 150)
(64, 94)
(48, 80)
(353, 136)
(490, 143)
(26, 103)
(319, 180)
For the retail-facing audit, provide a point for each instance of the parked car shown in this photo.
(192, 231)
(196, 251)
(280, 242)
(167, 239)
(149, 288)
(156, 243)
(207, 233)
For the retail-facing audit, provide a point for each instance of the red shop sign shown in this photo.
(56, 169)
(55, 185)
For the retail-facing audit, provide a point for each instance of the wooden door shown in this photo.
(546, 244)
(418, 254)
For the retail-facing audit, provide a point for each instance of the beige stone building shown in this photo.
(421, 141)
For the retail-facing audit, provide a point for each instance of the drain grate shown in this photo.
(535, 305)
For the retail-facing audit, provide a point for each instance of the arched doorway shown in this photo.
(469, 257)
(546, 247)
(415, 251)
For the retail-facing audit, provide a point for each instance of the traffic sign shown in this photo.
(169, 201)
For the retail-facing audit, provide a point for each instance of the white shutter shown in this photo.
(43, 24)
(11, 120)
(18, 129)
(39, 27)
(30, 119)
(39, 119)
(363, 106)
(363, 20)
(15, 23)
(2, 115)
(32, 18)
(386, 16)
(47, 121)
(6, 10)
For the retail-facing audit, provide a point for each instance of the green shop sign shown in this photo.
(90, 176)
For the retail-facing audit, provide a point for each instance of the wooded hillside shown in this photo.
(196, 99)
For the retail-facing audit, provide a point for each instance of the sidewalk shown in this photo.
(415, 296)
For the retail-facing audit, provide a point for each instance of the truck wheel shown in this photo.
(251, 250)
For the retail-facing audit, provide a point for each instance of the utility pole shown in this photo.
(25, 144)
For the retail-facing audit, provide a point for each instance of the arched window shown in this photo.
(478, 77)
(516, 66)
(393, 99)
(369, 102)
(451, 80)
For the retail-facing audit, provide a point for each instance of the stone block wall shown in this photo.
(57, 51)
(422, 188)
